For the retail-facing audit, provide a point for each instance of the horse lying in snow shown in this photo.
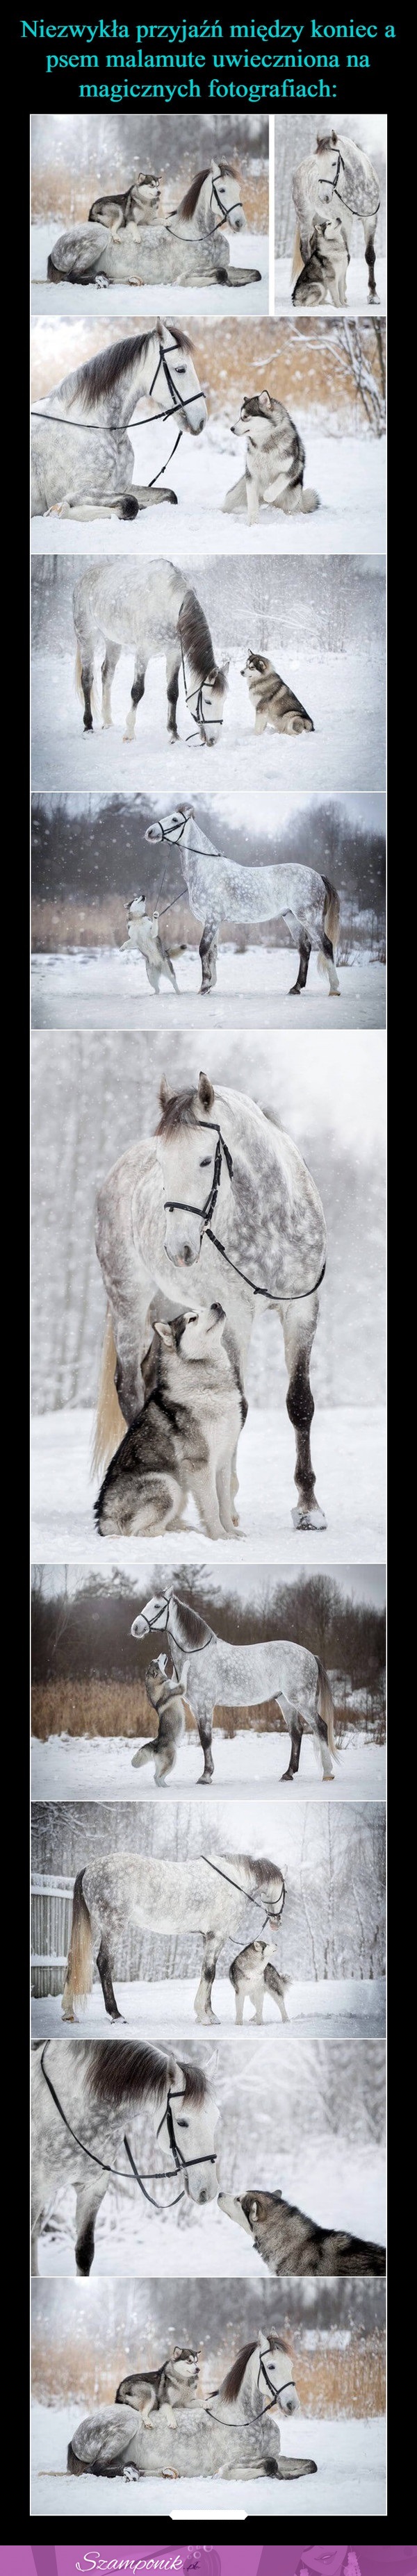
(234, 2435)
(288, 2242)
(189, 249)
(82, 457)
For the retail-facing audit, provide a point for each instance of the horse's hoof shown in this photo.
(305, 1519)
(325, 1782)
(205, 1780)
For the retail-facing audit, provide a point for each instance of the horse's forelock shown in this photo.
(197, 2088)
(179, 1111)
(327, 142)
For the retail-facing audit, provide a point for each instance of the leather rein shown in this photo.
(119, 431)
(181, 2162)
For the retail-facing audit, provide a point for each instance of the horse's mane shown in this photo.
(325, 142)
(231, 2385)
(190, 201)
(126, 2073)
(196, 640)
(195, 1629)
(102, 374)
(262, 1870)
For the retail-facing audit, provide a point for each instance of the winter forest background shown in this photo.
(86, 2336)
(331, 374)
(92, 1096)
(88, 1671)
(334, 1869)
(341, 597)
(89, 853)
(295, 138)
(76, 158)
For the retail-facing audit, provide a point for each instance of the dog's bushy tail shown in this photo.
(310, 500)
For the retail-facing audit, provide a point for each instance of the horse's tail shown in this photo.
(330, 923)
(79, 1975)
(297, 258)
(326, 1709)
(110, 1425)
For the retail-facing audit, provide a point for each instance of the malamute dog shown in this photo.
(138, 205)
(174, 2384)
(289, 2242)
(325, 271)
(275, 460)
(165, 1696)
(185, 1440)
(145, 935)
(254, 1972)
(274, 703)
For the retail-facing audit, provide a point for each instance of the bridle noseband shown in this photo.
(287, 1297)
(225, 211)
(181, 2163)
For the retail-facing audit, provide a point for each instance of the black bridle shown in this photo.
(336, 192)
(286, 1297)
(155, 1626)
(198, 718)
(181, 2163)
(271, 2401)
(225, 212)
(173, 838)
(119, 431)
(274, 1911)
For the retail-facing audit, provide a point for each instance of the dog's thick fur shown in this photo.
(288, 2242)
(185, 1440)
(174, 2384)
(325, 272)
(136, 206)
(275, 704)
(144, 934)
(275, 460)
(254, 1972)
(165, 1696)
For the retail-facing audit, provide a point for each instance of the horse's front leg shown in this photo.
(135, 695)
(370, 224)
(172, 667)
(205, 1728)
(108, 667)
(89, 2195)
(202, 2003)
(208, 954)
(299, 1327)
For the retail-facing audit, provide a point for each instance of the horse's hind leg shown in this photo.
(369, 231)
(105, 1974)
(135, 695)
(172, 672)
(299, 1326)
(295, 1730)
(108, 667)
(205, 1729)
(202, 2003)
(305, 954)
(208, 954)
(89, 2196)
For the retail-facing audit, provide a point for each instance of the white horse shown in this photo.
(215, 1159)
(189, 249)
(125, 1894)
(235, 2435)
(212, 1672)
(81, 454)
(85, 2100)
(219, 890)
(338, 174)
(148, 608)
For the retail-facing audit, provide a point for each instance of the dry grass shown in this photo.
(301, 363)
(330, 2381)
(95, 1707)
(59, 193)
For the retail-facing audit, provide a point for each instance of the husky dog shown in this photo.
(151, 2391)
(165, 1696)
(254, 1972)
(185, 1439)
(275, 460)
(274, 703)
(325, 271)
(145, 935)
(138, 205)
(289, 2242)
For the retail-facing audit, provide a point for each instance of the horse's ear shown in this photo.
(265, 400)
(205, 1091)
(214, 170)
(164, 1093)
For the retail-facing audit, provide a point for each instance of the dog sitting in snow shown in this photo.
(145, 935)
(184, 1442)
(275, 460)
(254, 1973)
(274, 703)
(325, 272)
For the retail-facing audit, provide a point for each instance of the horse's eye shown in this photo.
(204, 1162)
(183, 2124)
(180, 371)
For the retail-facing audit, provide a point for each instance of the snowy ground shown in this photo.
(356, 290)
(347, 473)
(100, 1766)
(343, 693)
(340, 2187)
(105, 988)
(247, 250)
(350, 2461)
(348, 2007)
(349, 1459)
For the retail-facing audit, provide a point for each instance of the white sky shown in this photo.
(366, 1582)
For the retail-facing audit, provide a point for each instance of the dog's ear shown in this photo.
(252, 2212)
(165, 1331)
(164, 1092)
(265, 403)
(205, 1091)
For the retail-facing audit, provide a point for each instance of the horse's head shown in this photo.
(276, 2357)
(154, 1615)
(170, 827)
(191, 1161)
(195, 2118)
(226, 197)
(181, 383)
